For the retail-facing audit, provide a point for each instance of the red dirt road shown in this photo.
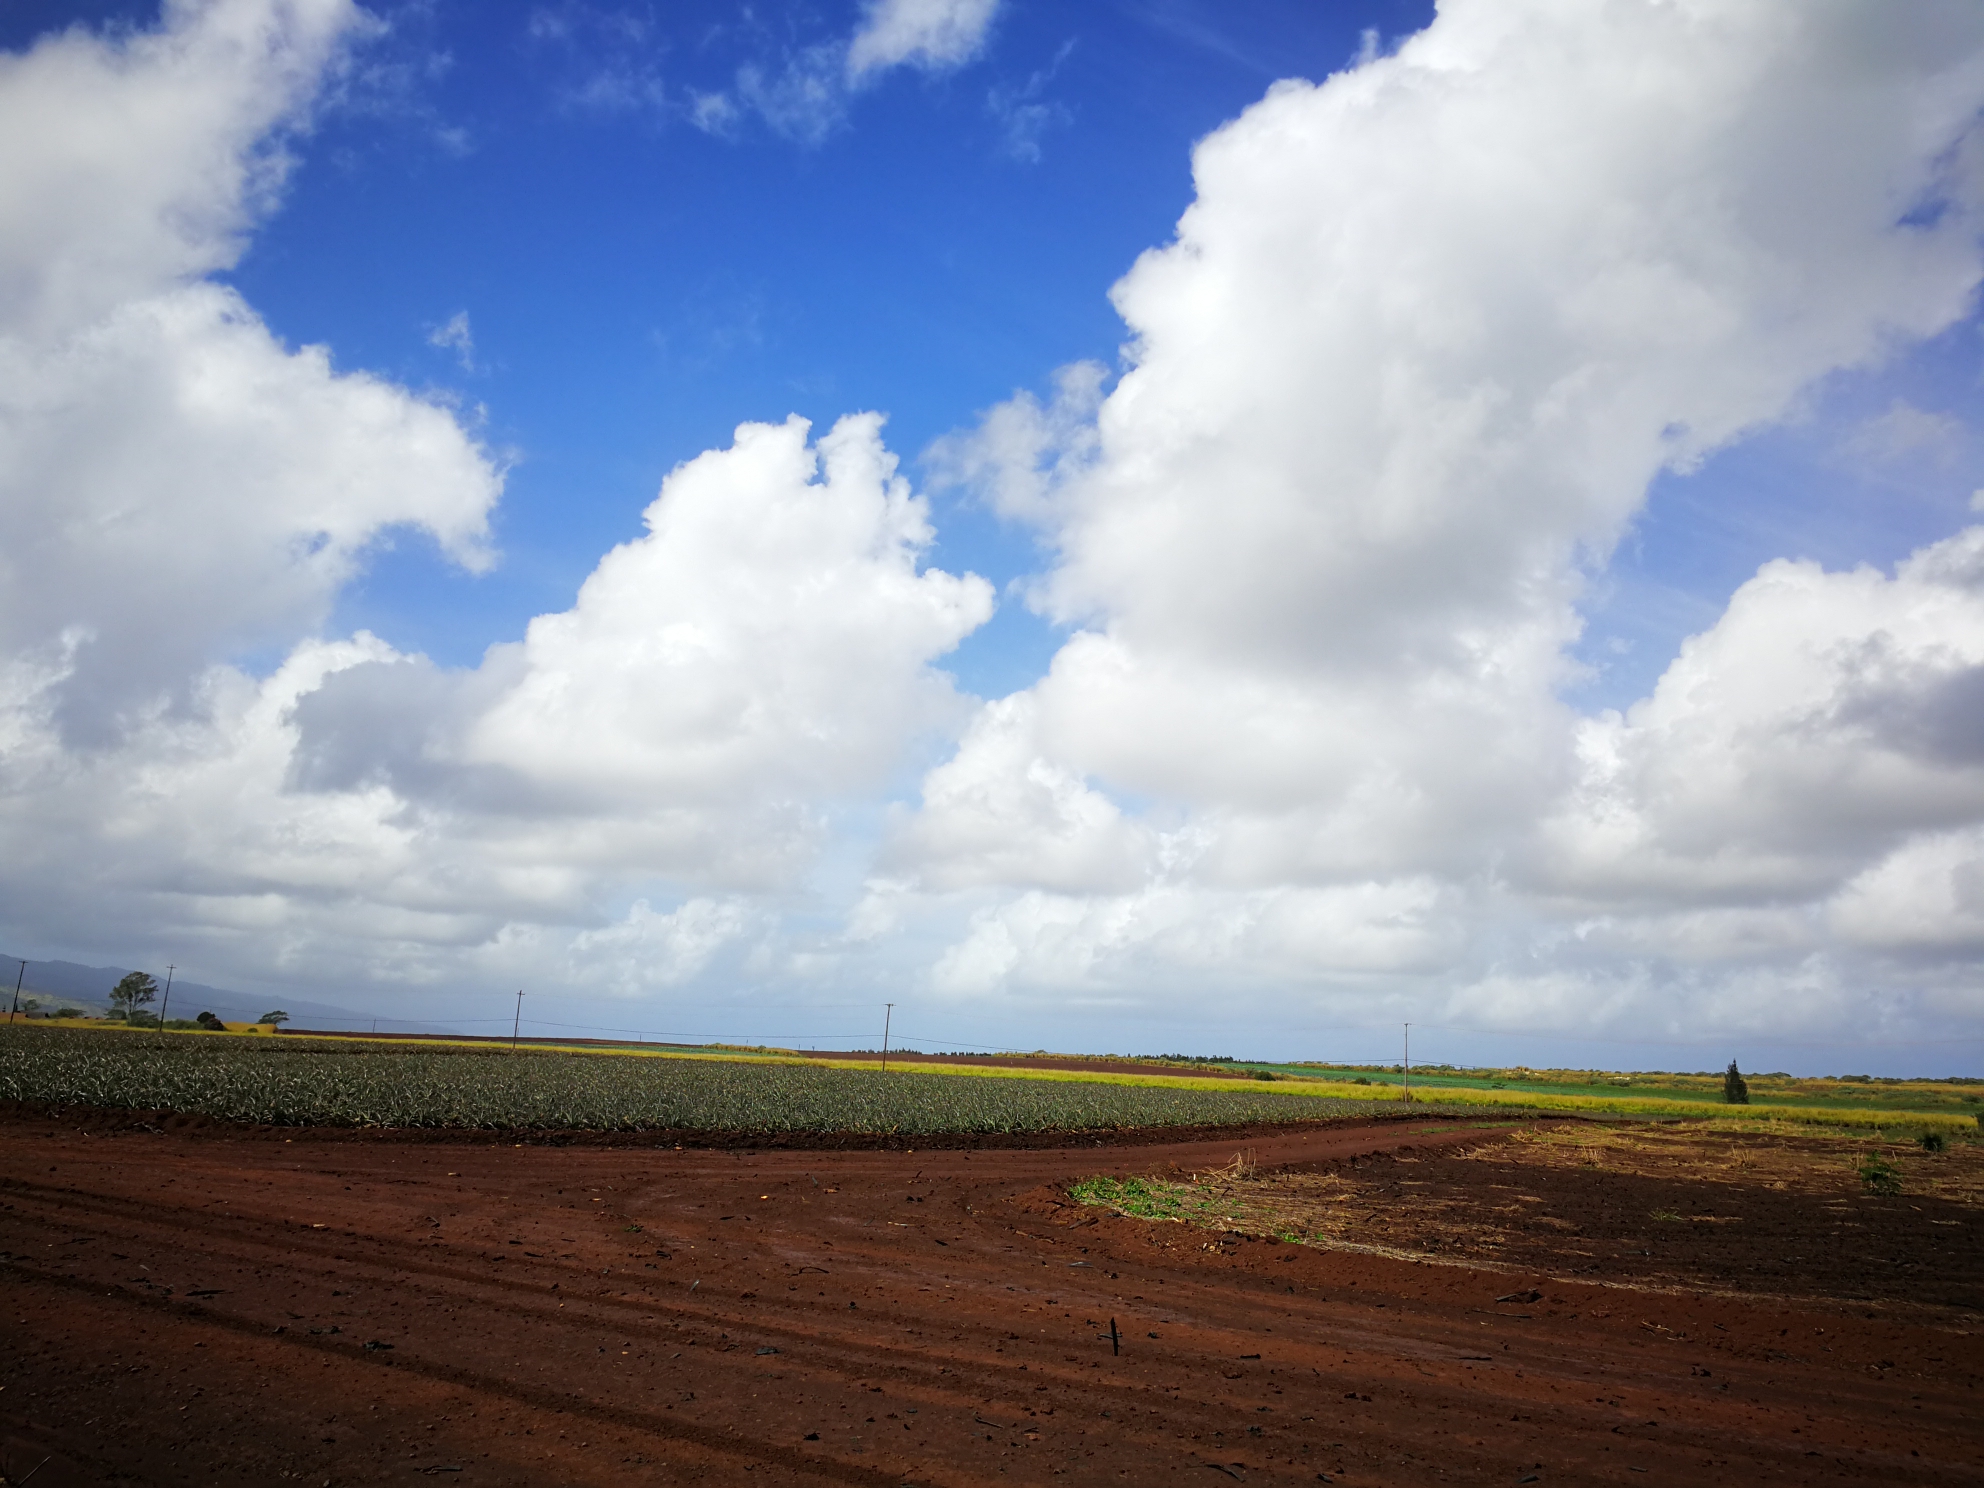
(220, 1308)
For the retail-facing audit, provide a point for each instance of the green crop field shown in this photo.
(298, 1081)
(1845, 1100)
(305, 1080)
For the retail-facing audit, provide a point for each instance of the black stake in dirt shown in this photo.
(169, 970)
(18, 977)
(517, 1026)
(1115, 1338)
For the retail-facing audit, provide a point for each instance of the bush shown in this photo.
(1264, 1075)
(1878, 1175)
(1735, 1091)
(210, 1022)
(1932, 1141)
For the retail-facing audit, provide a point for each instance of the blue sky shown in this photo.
(925, 258)
(1319, 652)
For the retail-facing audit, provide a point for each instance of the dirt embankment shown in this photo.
(204, 1307)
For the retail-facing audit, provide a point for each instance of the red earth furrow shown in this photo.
(595, 1352)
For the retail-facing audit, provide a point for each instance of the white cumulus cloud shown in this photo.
(175, 484)
(1401, 381)
(1425, 337)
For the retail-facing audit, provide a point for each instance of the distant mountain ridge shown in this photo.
(70, 984)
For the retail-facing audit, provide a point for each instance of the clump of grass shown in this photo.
(1879, 1176)
(1932, 1141)
(1143, 1198)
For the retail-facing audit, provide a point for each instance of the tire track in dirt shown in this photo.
(981, 1359)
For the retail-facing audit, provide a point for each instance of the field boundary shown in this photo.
(1284, 1086)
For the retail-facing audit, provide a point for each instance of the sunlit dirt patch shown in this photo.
(1760, 1210)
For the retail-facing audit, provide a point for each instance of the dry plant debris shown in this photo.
(1686, 1206)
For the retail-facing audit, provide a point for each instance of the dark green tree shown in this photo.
(275, 1019)
(131, 994)
(1734, 1091)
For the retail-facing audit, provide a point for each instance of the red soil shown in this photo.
(218, 1307)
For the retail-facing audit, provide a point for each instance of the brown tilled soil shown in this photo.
(211, 1307)
(1671, 1207)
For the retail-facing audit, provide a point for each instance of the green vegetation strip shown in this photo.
(295, 1081)
(1479, 1101)
(1341, 1096)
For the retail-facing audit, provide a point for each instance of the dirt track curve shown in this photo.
(221, 1308)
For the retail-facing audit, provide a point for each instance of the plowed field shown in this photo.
(221, 1306)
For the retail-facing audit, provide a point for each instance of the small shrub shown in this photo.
(1879, 1176)
(1264, 1074)
(1361, 1080)
(1932, 1141)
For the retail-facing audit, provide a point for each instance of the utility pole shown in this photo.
(19, 977)
(1408, 1061)
(169, 970)
(517, 1026)
(885, 1034)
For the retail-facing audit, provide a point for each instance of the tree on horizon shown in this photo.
(131, 994)
(1735, 1090)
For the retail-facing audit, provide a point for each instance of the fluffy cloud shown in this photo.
(1174, 941)
(1824, 722)
(180, 489)
(762, 653)
(176, 485)
(1423, 340)
(760, 658)
(1425, 337)
(139, 162)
